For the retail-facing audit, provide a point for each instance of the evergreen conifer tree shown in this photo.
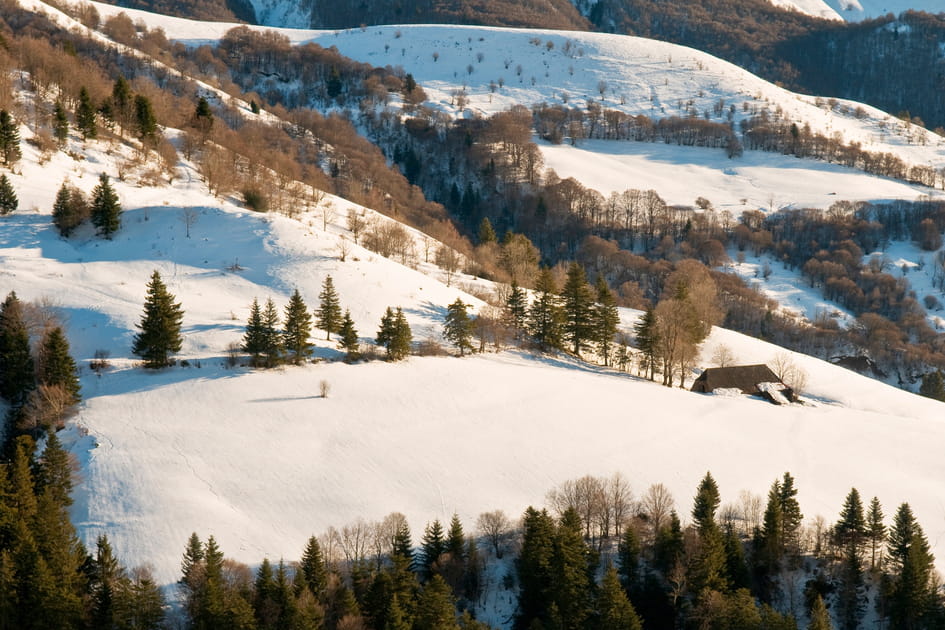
(160, 326)
(851, 592)
(254, 339)
(60, 124)
(572, 584)
(85, 116)
(706, 504)
(606, 318)
(394, 334)
(106, 209)
(272, 338)
(545, 316)
(578, 308)
(628, 559)
(819, 617)
(145, 120)
(851, 528)
(298, 328)
(516, 310)
(17, 377)
(432, 547)
(933, 385)
(613, 609)
(69, 210)
(457, 327)
(791, 516)
(312, 566)
(875, 532)
(435, 607)
(534, 568)
(122, 104)
(486, 233)
(56, 366)
(202, 120)
(402, 547)
(329, 309)
(349, 338)
(648, 340)
(8, 200)
(9, 139)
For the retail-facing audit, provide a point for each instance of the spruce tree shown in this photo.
(202, 120)
(312, 566)
(272, 338)
(145, 120)
(486, 233)
(819, 617)
(394, 334)
(329, 309)
(8, 200)
(545, 315)
(578, 308)
(648, 340)
(772, 541)
(534, 568)
(851, 596)
(706, 503)
(254, 339)
(516, 310)
(298, 329)
(875, 532)
(572, 584)
(436, 609)
(9, 139)
(17, 378)
(349, 338)
(851, 528)
(628, 559)
(122, 104)
(160, 326)
(613, 609)
(60, 124)
(85, 116)
(106, 209)
(457, 327)
(933, 385)
(432, 547)
(69, 210)
(606, 317)
(791, 517)
(56, 366)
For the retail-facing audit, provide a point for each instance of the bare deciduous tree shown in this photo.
(495, 527)
(327, 212)
(657, 503)
(789, 372)
(723, 356)
(343, 247)
(189, 217)
(449, 261)
(356, 223)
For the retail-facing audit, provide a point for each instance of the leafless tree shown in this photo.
(356, 223)
(343, 247)
(327, 212)
(495, 527)
(355, 538)
(791, 374)
(619, 501)
(657, 503)
(47, 406)
(751, 508)
(448, 260)
(723, 356)
(330, 543)
(189, 217)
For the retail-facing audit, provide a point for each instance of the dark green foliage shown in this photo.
(669, 544)
(349, 341)
(56, 366)
(647, 339)
(106, 209)
(298, 328)
(457, 326)
(910, 594)
(329, 309)
(202, 120)
(486, 233)
(534, 568)
(572, 583)
(394, 334)
(875, 532)
(17, 377)
(312, 567)
(60, 124)
(819, 617)
(432, 547)
(402, 551)
(70, 209)
(851, 595)
(435, 607)
(706, 504)
(606, 317)
(254, 106)
(628, 560)
(255, 200)
(145, 120)
(160, 326)
(933, 385)
(8, 200)
(516, 310)
(578, 307)
(254, 339)
(122, 104)
(612, 608)
(9, 139)
(272, 338)
(545, 315)
(85, 116)
(851, 528)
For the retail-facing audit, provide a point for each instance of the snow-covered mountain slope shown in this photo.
(858, 10)
(816, 8)
(498, 68)
(261, 461)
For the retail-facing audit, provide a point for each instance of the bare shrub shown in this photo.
(431, 348)
(324, 388)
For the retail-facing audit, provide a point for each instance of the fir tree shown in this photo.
(851, 528)
(613, 609)
(648, 340)
(435, 607)
(145, 120)
(402, 547)
(457, 327)
(486, 233)
(545, 315)
(298, 328)
(202, 120)
(606, 318)
(160, 326)
(516, 310)
(9, 139)
(772, 542)
(69, 210)
(851, 592)
(572, 584)
(312, 566)
(349, 338)
(706, 504)
(56, 366)
(432, 547)
(791, 516)
(933, 385)
(628, 559)
(577, 306)
(272, 338)
(60, 124)
(394, 334)
(254, 339)
(17, 377)
(85, 116)
(819, 617)
(534, 568)
(875, 532)
(8, 201)
(122, 104)
(106, 209)
(329, 309)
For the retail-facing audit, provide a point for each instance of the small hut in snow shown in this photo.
(753, 380)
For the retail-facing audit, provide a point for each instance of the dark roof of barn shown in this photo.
(743, 377)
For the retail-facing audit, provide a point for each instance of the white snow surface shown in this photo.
(816, 8)
(858, 10)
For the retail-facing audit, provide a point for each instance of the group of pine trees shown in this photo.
(398, 588)
(38, 377)
(71, 208)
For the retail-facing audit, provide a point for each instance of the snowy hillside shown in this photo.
(857, 10)
(260, 461)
